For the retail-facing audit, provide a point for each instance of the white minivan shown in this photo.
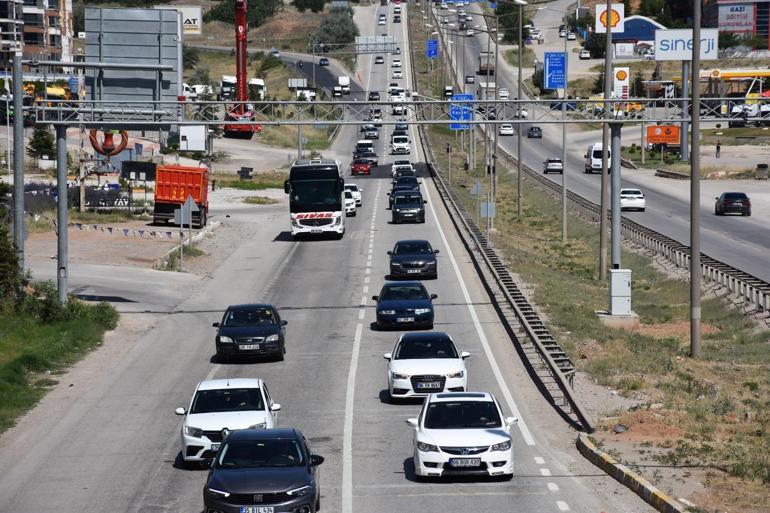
(593, 158)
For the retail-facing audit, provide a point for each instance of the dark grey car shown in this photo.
(413, 259)
(408, 206)
(250, 330)
(263, 470)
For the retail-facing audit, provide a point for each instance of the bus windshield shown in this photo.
(322, 195)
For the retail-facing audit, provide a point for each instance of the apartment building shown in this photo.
(44, 28)
(11, 28)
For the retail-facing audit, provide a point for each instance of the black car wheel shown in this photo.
(223, 358)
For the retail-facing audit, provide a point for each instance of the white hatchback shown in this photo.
(506, 129)
(462, 433)
(395, 63)
(425, 363)
(219, 406)
(355, 192)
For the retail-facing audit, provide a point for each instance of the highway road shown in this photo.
(739, 241)
(107, 439)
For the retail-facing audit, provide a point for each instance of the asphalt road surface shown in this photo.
(110, 440)
(739, 241)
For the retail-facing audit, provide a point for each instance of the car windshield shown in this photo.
(227, 399)
(315, 195)
(351, 188)
(462, 415)
(241, 317)
(413, 248)
(424, 349)
(408, 199)
(401, 292)
(272, 452)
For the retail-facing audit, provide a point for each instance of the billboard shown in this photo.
(192, 19)
(676, 45)
(663, 134)
(615, 20)
(736, 18)
(622, 81)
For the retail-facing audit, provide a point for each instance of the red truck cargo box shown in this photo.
(174, 184)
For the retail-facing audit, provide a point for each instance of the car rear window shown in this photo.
(735, 195)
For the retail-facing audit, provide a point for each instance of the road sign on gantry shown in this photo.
(554, 69)
(460, 111)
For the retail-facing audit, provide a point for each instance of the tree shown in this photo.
(41, 143)
(508, 19)
(190, 56)
(637, 88)
(313, 5)
(596, 44)
(11, 278)
(599, 82)
(201, 76)
(627, 7)
(256, 14)
(337, 28)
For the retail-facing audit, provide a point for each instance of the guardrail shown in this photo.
(544, 354)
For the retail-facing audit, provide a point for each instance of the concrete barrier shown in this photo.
(665, 173)
(624, 475)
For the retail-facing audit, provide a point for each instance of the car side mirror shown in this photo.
(390, 253)
(180, 411)
(275, 407)
(465, 354)
(316, 460)
(585, 156)
(509, 421)
(215, 324)
(388, 356)
(388, 194)
(716, 198)
(434, 296)
(412, 422)
(286, 187)
(435, 252)
(375, 298)
(284, 323)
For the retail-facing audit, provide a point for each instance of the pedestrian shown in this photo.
(719, 148)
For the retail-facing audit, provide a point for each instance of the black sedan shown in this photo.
(404, 304)
(732, 203)
(413, 259)
(263, 470)
(535, 132)
(323, 61)
(408, 206)
(374, 96)
(250, 330)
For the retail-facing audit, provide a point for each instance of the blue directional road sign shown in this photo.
(460, 112)
(431, 48)
(554, 70)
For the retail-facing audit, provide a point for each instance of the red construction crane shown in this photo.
(239, 111)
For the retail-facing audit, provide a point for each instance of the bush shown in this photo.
(257, 11)
(313, 5)
(41, 143)
(337, 28)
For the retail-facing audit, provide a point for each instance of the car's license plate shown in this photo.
(465, 462)
(405, 319)
(215, 447)
(413, 271)
(247, 347)
(430, 384)
(257, 509)
(316, 230)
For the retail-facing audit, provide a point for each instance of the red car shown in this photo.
(361, 167)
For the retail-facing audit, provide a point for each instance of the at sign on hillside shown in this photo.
(615, 18)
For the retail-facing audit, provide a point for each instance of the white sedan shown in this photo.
(506, 129)
(350, 203)
(397, 73)
(219, 406)
(632, 199)
(571, 36)
(355, 191)
(424, 363)
(462, 433)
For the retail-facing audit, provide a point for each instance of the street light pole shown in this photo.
(564, 140)
(605, 145)
(695, 271)
(519, 87)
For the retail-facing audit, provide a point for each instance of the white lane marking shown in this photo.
(553, 487)
(363, 300)
(361, 314)
(563, 506)
(347, 435)
(367, 271)
(367, 279)
(212, 372)
(545, 472)
(539, 460)
(522, 425)
(366, 289)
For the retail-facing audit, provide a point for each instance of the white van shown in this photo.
(364, 145)
(593, 158)
(399, 145)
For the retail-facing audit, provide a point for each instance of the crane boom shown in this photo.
(240, 111)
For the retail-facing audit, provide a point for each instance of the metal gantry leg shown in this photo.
(615, 185)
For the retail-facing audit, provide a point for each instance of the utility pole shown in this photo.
(61, 211)
(695, 271)
(605, 145)
(519, 198)
(564, 139)
(496, 131)
(683, 135)
(18, 157)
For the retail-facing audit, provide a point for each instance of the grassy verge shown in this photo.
(286, 137)
(711, 413)
(171, 263)
(259, 200)
(671, 162)
(736, 136)
(258, 182)
(38, 340)
(528, 57)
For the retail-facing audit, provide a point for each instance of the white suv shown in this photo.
(399, 145)
(355, 191)
(395, 63)
(220, 406)
(425, 363)
(461, 433)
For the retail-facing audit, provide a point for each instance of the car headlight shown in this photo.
(272, 338)
(503, 446)
(398, 375)
(218, 494)
(387, 312)
(395, 264)
(299, 492)
(193, 431)
(225, 340)
(458, 374)
(420, 311)
(261, 425)
(423, 447)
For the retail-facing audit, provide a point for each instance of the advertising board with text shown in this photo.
(676, 45)
(736, 18)
(192, 19)
(663, 134)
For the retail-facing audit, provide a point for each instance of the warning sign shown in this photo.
(663, 134)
